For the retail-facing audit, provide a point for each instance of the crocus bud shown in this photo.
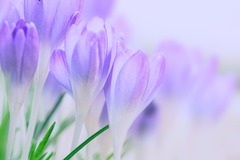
(131, 86)
(19, 54)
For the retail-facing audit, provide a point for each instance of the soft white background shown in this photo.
(213, 26)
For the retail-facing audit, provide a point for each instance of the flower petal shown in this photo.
(34, 12)
(30, 54)
(58, 67)
(64, 13)
(132, 81)
(157, 67)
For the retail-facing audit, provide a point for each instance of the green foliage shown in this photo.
(37, 153)
(4, 135)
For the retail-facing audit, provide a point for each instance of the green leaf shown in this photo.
(110, 156)
(42, 156)
(32, 150)
(50, 156)
(44, 141)
(41, 126)
(70, 155)
(4, 135)
(63, 126)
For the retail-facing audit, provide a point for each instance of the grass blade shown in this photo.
(44, 141)
(50, 156)
(70, 155)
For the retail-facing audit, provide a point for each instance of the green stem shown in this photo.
(86, 142)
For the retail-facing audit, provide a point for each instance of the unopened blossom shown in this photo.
(19, 58)
(131, 86)
(85, 66)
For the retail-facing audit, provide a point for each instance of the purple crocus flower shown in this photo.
(131, 86)
(19, 58)
(85, 66)
(19, 54)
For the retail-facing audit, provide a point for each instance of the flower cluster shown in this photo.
(84, 56)
(49, 49)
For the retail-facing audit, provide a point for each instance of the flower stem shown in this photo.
(11, 135)
(77, 130)
(32, 124)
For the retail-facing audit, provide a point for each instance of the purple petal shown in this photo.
(34, 12)
(157, 67)
(119, 59)
(58, 67)
(8, 60)
(64, 13)
(19, 42)
(100, 8)
(89, 54)
(132, 81)
(30, 54)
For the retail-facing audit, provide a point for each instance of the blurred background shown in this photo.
(211, 26)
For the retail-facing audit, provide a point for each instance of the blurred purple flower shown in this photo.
(189, 78)
(131, 86)
(52, 18)
(100, 8)
(147, 122)
(8, 12)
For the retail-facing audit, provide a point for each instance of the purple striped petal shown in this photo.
(66, 12)
(30, 54)
(19, 52)
(34, 12)
(157, 67)
(89, 54)
(58, 67)
(132, 81)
